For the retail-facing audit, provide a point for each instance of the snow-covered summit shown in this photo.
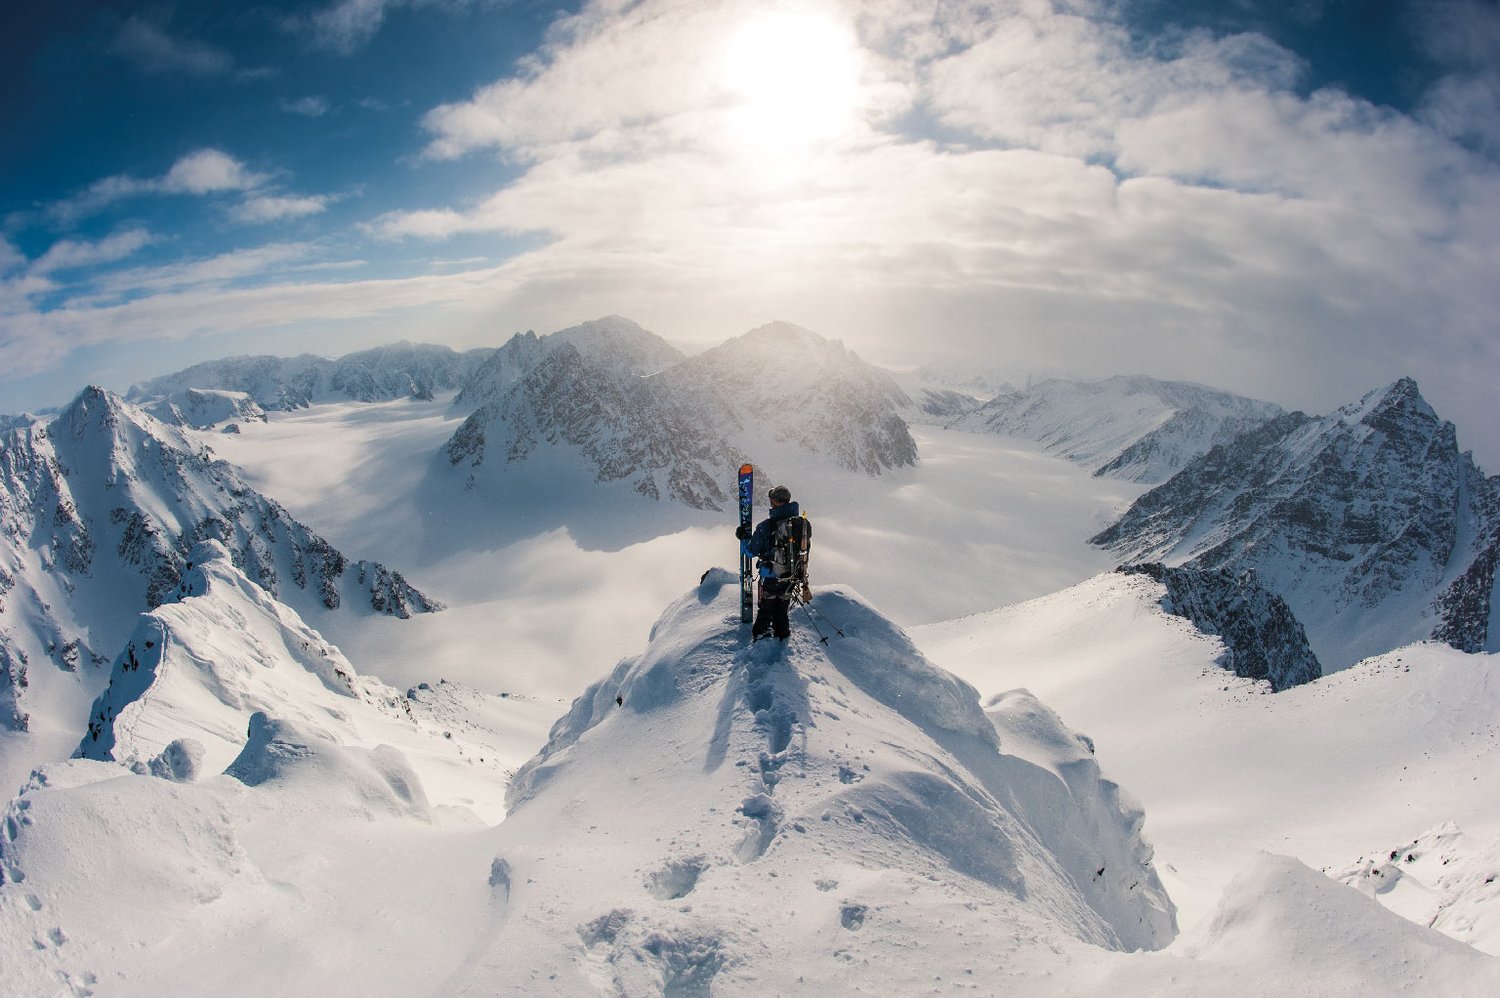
(614, 343)
(564, 414)
(851, 790)
(1369, 522)
(794, 397)
(1132, 427)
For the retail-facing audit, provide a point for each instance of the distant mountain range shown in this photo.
(401, 370)
(1369, 522)
(1136, 428)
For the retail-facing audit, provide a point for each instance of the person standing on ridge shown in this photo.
(781, 542)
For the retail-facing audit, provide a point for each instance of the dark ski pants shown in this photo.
(771, 615)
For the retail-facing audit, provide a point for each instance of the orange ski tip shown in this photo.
(745, 469)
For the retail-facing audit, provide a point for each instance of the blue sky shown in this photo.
(1294, 200)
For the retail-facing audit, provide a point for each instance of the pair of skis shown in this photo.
(747, 495)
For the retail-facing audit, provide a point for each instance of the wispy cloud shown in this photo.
(273, 208)
(153, 50)
(204, 171)
(308, 107)
(71, 254)
(345, 26)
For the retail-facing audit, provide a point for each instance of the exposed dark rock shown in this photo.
(1262, 637)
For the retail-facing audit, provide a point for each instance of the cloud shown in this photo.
(210, 298)
(273, 208)
(70, 254)
(1463, 36)
(1032, 181)
(209, 171)
(204, 171)
(308, 107)
(155, 51)
(346, 26)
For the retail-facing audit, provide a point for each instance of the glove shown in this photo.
(742, 531)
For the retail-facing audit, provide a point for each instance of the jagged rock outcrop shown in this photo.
(1136, 428)
(1369, 522)
(400, 370)
(1262, 637)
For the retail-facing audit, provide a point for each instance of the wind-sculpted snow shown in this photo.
(197, 667)
(401, 370)
(1442, 878)
(846, 787)
(1369, 522)
(1135, 428)
(1262, 637)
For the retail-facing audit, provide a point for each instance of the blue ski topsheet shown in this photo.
(747, 497)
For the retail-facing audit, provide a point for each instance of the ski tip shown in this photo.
(746, 469)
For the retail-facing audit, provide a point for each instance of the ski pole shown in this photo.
(810, 610)
(806, 610)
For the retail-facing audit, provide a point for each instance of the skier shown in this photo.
(781, 543)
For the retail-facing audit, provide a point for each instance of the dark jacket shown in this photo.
(760, 543)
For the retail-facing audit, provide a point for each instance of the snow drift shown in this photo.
(849, 791)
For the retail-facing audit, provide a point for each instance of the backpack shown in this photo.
(790, 542)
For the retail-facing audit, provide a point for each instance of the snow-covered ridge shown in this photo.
(613, 343)
(183, 693)
(1135, 428)
(400, 370)
(202, 408)
(851, 788)
(99, 508)
(1369, 522)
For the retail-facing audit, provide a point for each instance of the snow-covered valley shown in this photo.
(1008, 769)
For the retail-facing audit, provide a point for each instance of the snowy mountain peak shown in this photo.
(1132, 427)
(1369, 522)
(1392, 408)
(851, 788)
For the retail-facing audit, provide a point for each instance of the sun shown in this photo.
(793, 78)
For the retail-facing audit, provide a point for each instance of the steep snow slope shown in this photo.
(197, 668)
(1324, 771)
(1369, 522)
(1136, 428)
